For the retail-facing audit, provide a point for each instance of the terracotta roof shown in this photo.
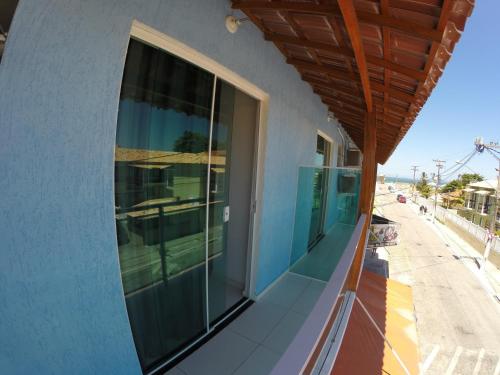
(488, 184)
(382, 56)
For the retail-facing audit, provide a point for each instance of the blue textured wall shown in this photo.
(62, 307)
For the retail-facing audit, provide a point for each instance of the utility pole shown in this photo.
(414, 168)
(492, 146)
(439, 165)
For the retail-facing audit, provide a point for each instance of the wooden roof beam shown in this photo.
(352, 26)
(412, 73)
(405, 26)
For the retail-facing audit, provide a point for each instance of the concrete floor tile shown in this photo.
(222, 355)
(261, 362)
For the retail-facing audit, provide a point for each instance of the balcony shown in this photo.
(299, 320)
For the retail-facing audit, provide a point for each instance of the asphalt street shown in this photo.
(458, 323)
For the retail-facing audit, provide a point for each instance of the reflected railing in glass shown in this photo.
(325, 217)
(151, 245)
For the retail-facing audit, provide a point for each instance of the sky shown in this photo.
(465, 104)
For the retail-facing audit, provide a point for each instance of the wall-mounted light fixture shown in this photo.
(233, 23)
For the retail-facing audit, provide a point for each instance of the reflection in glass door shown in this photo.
(320, 181)
(180, 266)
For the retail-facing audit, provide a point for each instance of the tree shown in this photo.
(461, 182)
(423, 187)
(191, 142)
(468, 178)
(453, 185)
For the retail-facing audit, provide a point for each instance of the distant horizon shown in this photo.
(418, 177)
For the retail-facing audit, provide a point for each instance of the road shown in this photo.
(458, 323)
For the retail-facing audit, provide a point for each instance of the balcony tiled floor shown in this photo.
(253, 342)
(321, 261)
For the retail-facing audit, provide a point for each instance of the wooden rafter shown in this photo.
(352, 26)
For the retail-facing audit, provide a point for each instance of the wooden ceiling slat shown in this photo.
(341, 100)
(313, 67)
(398, 94)
(347, 111)
(409, 27)
(348, 77)
(310, 43)
(288, 6)
(384, 63)
(412, 6)
(347, 90)
(336, 104)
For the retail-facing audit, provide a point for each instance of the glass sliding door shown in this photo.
(320, 188)
(231, 167)
(160, 185)
(181, 270)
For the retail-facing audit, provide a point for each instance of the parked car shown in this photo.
(401, 198)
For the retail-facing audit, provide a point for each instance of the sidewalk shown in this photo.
(489, 278)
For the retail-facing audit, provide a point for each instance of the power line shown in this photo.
(414, 168)
(491, 152)
(439, 166)
(459, 165)
(450, 171)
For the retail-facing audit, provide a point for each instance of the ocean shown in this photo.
(407, 180)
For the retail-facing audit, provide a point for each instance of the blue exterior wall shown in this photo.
(63, 309)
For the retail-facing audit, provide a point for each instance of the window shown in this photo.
(353, 158)
(320, 188)
(7, 9)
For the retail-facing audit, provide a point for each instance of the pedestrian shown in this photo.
(421, 209)
(425, 210)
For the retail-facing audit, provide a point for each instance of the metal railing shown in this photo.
(158, 212)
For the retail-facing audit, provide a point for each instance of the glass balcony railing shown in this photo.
(325, 218)
(306, 310)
